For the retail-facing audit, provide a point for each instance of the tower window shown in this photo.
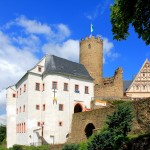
(89, 46)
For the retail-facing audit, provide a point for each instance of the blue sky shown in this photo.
(31, 28)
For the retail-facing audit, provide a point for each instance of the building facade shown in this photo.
(140, 86)
(41, 104)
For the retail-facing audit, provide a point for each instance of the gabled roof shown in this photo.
(135, 79)
(54, 64)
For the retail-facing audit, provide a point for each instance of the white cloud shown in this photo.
(14, 62)
(108, 50)
(3, 119)
(33, 26)
(2, 97)
(68, 49)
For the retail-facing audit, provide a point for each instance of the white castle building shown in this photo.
(40, 105)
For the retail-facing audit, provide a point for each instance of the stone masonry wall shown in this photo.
(141, 121)
(111, 87)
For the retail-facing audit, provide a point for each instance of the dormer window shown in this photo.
(39, 69)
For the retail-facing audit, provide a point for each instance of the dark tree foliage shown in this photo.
(118, 125)
(120, 121)
(134, 12)
(2, 133)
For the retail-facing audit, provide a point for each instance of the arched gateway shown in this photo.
(89, 129)
(77, 108)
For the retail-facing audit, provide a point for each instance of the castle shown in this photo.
(40, 105)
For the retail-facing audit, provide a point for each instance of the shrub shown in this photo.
(17, 147)
(70, 147)
(83, 146)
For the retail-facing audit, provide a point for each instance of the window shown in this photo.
(89, 46)
(77, 88)
(137, 87)
(54, 85)
(17, 111)
(60, 123)
(65, 86)
(37, 107)
(20, 91)
(39, 69)
(20, 108)
(61, 107)
(20, 128)
(144, 87)
(37, 86)
(43, 107)
(24, 127)
(24, 108)
(14, 95)
(38, 124)
(86, 90)
(24, 87)
(43, 87)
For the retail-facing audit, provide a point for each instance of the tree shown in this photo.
(2, 133)
(135, 12)
(118, 125)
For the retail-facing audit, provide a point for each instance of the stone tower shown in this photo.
(91, 56)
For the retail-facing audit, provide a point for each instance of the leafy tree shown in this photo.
(135, 12)
(2, 133)
(120, 121)
(118, 125)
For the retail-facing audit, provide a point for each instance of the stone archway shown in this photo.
(89, 129)
(78, 108)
